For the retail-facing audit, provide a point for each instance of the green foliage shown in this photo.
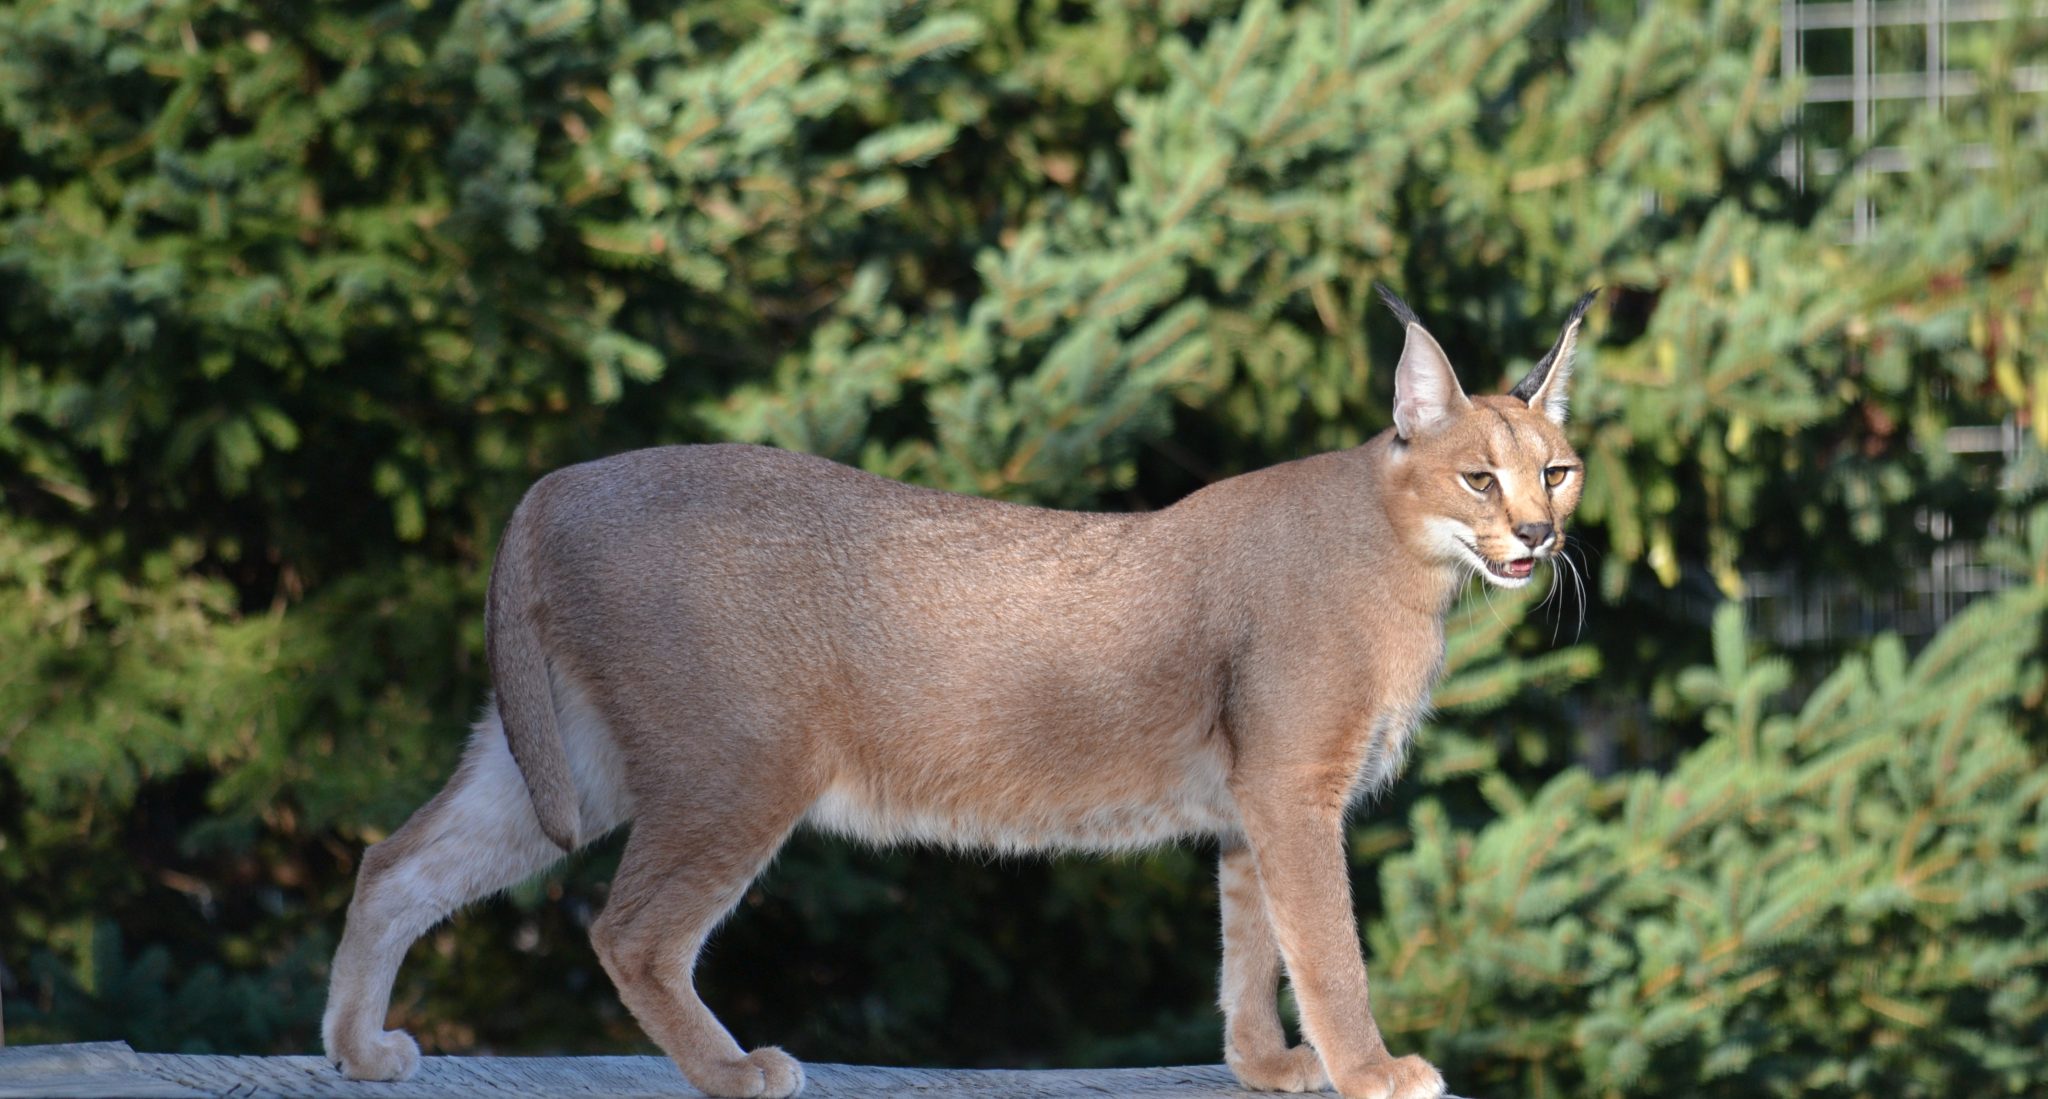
(143, 1001)
(1839, 898)
(294, 303)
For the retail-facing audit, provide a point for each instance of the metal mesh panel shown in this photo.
(1857, 57)
(1894, 52)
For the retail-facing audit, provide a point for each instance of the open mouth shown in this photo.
(1513, 570)
(1519, 569)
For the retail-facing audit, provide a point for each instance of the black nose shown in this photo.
(1533, 534)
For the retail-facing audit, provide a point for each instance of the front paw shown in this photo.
(391, 1055)
(766, 1073)
(1296, 1069)
(1408, 1077)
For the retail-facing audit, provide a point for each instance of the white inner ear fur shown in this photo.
(1426, 392)
(1553, 397)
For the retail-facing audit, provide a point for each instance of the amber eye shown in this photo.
(1480, 482)
(1555, 475)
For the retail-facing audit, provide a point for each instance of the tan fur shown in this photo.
(721, 643)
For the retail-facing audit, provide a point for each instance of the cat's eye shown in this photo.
(1555, 475)
(1480, 482)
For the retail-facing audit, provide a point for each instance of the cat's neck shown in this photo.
(1320, 535)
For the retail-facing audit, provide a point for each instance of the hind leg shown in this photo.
(687, 864)
(477, 836)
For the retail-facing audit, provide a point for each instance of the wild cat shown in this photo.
(722, 643)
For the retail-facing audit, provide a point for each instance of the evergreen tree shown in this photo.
(1839, 898)
(295, 303)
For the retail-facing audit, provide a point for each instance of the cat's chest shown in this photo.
(1384, 748)
(1396, 702)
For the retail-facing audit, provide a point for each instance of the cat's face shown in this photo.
(1494, 487)
(1484, 482)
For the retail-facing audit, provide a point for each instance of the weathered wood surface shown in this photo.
(110, 1070)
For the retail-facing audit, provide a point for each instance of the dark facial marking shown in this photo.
(1512, 433)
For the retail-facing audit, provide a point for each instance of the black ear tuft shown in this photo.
(1401, 311)
(1525, 390)
(1584, 303)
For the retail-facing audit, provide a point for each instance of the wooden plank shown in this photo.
(90, 1070)
(112, 1070)
(637, 1077)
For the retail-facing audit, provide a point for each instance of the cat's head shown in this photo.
(1484, 481)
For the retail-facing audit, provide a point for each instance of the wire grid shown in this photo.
(1864, 86)
(1796, 611)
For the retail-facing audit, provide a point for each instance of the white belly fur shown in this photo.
(1198, 806)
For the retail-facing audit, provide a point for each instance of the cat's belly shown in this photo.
(1029, 813)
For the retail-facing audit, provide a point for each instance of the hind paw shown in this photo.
(1295, 1069)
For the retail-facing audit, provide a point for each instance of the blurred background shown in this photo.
(296, 300)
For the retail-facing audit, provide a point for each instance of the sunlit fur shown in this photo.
(722, 644)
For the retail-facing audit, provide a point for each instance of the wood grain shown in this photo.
(111, 1069)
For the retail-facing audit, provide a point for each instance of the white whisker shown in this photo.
(1487, 591)
(1579, 581)
(1556, 583)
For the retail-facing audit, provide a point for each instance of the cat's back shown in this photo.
(749, 484)
(778, 522)
(734, 495)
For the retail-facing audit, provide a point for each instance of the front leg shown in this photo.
(1254, 1045)
(1298, 846)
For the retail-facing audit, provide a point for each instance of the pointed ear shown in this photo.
(1545, 387)
(1426, 392)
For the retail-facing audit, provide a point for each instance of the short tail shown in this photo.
(526, 700)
